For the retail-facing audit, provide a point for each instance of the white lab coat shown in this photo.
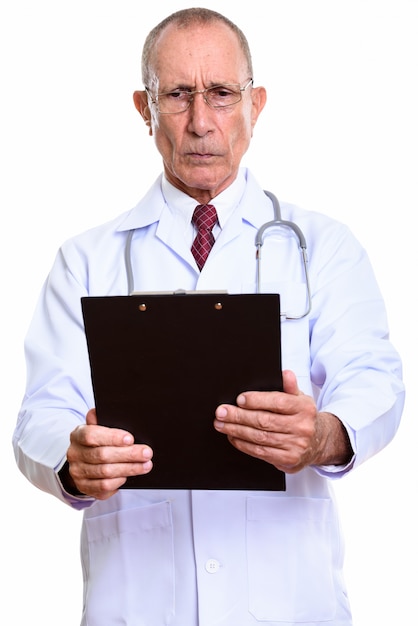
(206, 558)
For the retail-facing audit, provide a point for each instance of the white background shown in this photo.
(339, 135)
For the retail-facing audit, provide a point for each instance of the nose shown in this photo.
(200, 115)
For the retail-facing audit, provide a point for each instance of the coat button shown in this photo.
(212, 566)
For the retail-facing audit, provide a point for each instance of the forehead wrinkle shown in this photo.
(196, 65)
(199, 80)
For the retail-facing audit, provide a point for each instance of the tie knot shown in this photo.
(205, 216)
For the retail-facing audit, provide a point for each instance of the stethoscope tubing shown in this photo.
(259, 241)
(278, 222)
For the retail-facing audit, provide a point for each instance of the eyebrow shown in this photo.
(185, 87)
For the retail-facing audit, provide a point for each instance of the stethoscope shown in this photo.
(277, 222)
(259, 240)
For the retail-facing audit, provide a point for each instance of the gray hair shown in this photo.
(184, 19)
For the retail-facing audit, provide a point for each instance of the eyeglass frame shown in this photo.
(191, 95)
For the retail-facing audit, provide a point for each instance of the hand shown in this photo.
(101, 458)
(284, 428)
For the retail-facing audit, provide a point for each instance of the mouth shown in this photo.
(200, 156)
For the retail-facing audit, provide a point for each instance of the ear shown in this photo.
(141, 104)
(259, 98)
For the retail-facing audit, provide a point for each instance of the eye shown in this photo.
(221, 91)
(178, 94)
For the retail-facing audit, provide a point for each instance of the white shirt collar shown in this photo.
(183, 205)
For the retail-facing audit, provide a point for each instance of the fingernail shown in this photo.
(147, 453)
(221, 412)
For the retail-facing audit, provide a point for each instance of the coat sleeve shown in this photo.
(354, 367)
(59, 391)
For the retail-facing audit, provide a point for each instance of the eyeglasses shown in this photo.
(217, 97)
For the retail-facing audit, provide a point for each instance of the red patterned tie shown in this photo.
(204, 218)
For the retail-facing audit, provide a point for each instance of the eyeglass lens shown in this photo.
(216, 97)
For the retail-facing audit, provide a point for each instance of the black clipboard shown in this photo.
(148, 379)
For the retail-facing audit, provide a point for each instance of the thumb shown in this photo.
(290, 383)
(91, 417)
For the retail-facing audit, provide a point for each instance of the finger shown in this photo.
(111, 471)
(233, 420)
(91, 417)
(283, 456)
(273, 401)
(285, 402)
(102, 481)
(103, 488)
(98, 455)
(277, 456)
(290, 383)
(93, 435)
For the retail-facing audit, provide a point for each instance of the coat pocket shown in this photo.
(129, 567)
(290, 565)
